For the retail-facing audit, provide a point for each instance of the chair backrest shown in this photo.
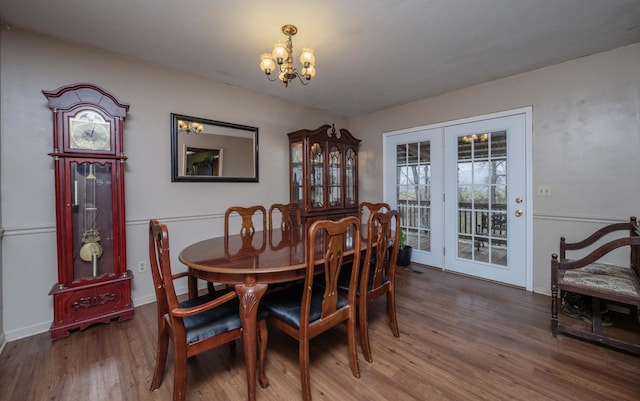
(382, 250)
(335, 236)
(290, 216)
(247, 228)
(367, 210)
(161, 267)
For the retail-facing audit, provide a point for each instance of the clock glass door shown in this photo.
(91, 210)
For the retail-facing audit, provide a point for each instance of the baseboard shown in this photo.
(3, 342)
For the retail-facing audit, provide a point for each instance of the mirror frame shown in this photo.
(175, 177)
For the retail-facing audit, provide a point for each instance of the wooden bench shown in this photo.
(589, 276)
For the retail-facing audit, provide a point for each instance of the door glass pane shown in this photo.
(482, 197)
(413, 178)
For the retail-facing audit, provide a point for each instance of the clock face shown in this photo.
(88, 130)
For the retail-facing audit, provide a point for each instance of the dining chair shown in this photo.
(247, 227)
(378, 278)
(289, 216)
(194, 325)
(304, 311)
(367, 209)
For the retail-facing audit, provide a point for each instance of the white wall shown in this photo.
(31, 63)
(586, 142)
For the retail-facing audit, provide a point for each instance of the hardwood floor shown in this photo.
(460, 339)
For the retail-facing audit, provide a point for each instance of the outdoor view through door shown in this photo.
(482, 197)
(413, 170)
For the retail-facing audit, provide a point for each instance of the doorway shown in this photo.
(463, 191)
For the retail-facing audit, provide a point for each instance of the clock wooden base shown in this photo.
(82, 306)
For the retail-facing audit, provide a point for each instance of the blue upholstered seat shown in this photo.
(286, 305)
(215, 321)
(345, 275)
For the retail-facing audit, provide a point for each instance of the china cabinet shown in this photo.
(94, 285)
(324, 172)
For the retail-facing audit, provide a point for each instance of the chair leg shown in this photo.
(391, 310)
(179, 374)
(353, 351)
(161, 354)
(364, 329)
(263, 336)
(305, 378)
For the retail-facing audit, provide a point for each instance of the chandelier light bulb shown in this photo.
(266, 63)
(307, 58)
(279, 52)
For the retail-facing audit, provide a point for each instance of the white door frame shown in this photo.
(388, 187)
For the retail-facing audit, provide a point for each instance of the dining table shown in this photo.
(250, 263)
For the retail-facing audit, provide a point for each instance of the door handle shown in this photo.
(518, 200)
(519, 213)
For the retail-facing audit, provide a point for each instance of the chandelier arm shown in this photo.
(275, 77)
(303, 81)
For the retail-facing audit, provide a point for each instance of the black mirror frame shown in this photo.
(175, 177)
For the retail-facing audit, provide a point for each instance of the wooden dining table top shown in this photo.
(271, 251)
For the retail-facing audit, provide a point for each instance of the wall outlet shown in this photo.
(544, 190)
(142, 266)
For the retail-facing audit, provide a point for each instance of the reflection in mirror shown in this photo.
(209, 151)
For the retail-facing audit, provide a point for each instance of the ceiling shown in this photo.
(370, 54)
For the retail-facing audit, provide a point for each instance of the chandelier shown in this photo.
(188, 126)
(282, 55)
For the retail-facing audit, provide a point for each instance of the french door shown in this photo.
(417, 190)
(462, 191)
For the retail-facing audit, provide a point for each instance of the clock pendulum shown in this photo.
(91, 249)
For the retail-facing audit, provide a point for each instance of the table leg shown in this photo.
(249, 296)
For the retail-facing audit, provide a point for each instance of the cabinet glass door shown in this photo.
(296, 173)
(350, 177)
(316, 175)
(335, 176)
(91, 212)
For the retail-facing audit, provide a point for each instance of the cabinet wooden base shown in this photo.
(80, 307)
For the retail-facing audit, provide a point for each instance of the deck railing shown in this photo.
(473, 218)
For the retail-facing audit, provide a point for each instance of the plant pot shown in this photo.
(404, 256)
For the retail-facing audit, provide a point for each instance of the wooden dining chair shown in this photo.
(247, 227)
(289, 216)
(379, 278)
(367, 209)
(194, 325)
(304, 311)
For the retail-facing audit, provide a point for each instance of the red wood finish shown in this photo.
(303, 178)
(80, 297)
(253, 266)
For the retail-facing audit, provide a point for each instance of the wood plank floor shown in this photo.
(460, 339)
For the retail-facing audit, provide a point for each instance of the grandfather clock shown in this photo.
(94, 285)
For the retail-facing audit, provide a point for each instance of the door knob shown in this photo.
(519, 213)
(518, 200)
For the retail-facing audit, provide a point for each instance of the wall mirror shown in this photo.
(212, 151)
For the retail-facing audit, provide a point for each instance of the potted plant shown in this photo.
(404, 250)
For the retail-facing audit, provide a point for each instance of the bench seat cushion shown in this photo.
(614, 279)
